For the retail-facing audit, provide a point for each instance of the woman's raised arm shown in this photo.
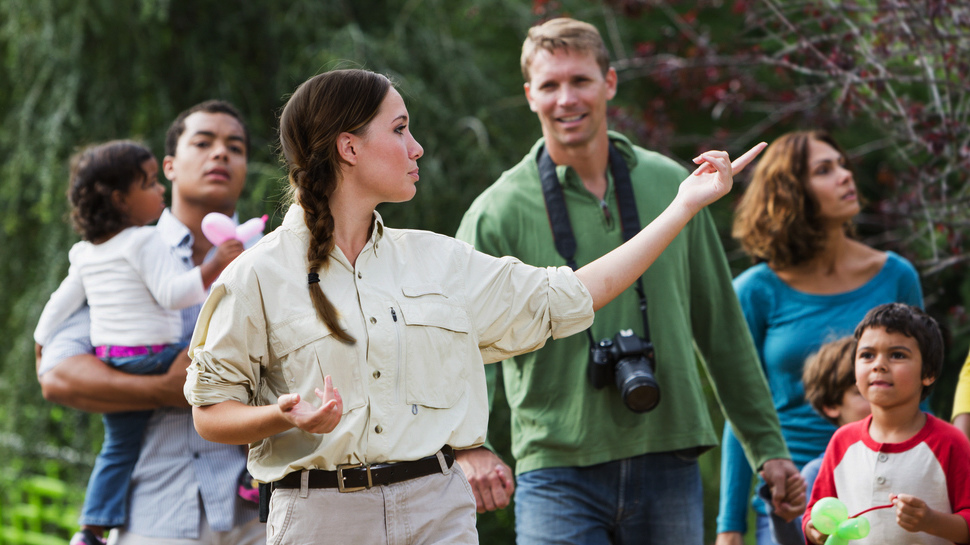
(609, 275)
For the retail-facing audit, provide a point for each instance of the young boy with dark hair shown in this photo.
(900, 454)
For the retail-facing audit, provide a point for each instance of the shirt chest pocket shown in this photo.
(437, 350)
(306, 352)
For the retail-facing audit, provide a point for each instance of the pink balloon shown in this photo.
(219, 228)
(251, 228)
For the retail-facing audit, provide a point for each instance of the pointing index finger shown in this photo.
(741, 162)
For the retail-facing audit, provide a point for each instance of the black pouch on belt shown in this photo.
(265, 491)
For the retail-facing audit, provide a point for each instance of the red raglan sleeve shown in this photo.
(824, 486)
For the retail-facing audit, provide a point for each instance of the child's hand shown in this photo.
(227, 251)
(813, 535)
(912, 513)
(303, 415)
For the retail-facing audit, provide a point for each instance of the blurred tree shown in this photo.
(888, 77)
(901, 68)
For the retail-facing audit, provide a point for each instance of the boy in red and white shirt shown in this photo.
(899, 454)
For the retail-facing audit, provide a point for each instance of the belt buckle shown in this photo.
(340, 477)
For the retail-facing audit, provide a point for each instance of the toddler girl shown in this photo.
(134, 287)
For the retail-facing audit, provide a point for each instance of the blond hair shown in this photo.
(564, 34)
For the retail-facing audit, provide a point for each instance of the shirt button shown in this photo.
(359, 274)
(373, 320)
(195, 455)
(377, 374)
(881, 480)
(378, 428)
(883, 456)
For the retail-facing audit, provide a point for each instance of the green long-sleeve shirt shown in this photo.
(558, 418)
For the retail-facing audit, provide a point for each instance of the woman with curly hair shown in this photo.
(134, 286)
(811, 284)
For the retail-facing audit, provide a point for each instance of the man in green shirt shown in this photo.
(589, 469)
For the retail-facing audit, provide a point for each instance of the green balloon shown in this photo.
(856, 528)
(834, 539)
(827, 514)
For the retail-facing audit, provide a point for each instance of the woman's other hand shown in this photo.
(305, 416)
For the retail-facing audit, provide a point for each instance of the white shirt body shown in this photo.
(134, 285)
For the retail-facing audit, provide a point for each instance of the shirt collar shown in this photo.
(173, 231)
(293, 221)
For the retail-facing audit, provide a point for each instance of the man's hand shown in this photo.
(787, 488)
(490, 478)
(170, 392)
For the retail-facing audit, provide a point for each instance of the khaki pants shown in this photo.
(438, 508)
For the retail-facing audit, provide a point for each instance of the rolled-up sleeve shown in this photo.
(517, 306)
(228, 348)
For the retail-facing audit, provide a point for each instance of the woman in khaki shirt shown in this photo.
(387, 327)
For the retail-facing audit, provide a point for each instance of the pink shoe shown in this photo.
(247, 488)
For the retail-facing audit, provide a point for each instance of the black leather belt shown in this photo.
(354, 477)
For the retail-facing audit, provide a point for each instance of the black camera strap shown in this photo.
(562, 229)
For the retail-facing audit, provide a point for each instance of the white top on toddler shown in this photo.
(134, 286)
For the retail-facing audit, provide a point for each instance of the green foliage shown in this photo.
(74, 73)
(37, 510)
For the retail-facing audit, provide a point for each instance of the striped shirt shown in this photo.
(178, 473)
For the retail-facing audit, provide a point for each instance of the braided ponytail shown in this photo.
(320, 110)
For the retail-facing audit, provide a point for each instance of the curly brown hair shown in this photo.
(317, 113)
(777, 220)
(96, 173)
(828, 373)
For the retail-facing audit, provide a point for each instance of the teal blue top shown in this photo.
(788, 326)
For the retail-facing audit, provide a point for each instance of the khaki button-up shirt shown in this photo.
(427, 311)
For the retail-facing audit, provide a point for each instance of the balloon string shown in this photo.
(888, 505)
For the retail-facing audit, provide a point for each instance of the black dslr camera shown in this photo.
(628, 360)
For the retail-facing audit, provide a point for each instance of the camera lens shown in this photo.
(637, 385)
